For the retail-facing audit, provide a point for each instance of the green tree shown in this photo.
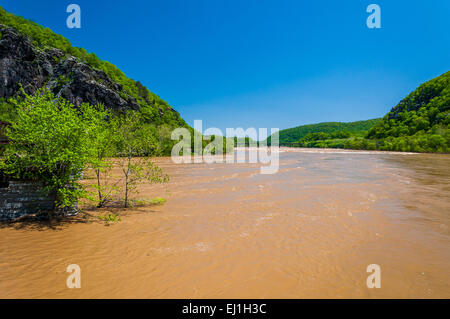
(103, 143)
(135, 144)
(51, 142)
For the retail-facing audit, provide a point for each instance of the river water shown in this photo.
(226, 231)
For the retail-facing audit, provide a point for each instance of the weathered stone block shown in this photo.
(18, 199)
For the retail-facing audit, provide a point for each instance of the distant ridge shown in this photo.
(419, 123)
(292, 135)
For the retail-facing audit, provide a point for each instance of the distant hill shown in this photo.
(420, 122)
(292, 135)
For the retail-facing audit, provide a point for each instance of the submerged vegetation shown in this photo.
(110, 218)
(147, 202)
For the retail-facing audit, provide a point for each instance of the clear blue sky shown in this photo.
(263, 63)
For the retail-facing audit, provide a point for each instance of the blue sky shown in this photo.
(263, 63)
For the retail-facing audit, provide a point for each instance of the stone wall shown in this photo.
(18, 198)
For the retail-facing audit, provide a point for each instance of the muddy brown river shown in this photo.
(226, 231)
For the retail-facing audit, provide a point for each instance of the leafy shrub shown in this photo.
(51, 141)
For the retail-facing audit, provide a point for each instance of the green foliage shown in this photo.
(134, 144)
(420, 122)
(7, 111)
(62, 80)
(212, 144)
(245, 141)
(325, 136)
(326, 140)
(110, 218)
(51, 142)
(292, 135)
(133, 138)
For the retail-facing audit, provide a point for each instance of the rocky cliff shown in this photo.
(22, 63)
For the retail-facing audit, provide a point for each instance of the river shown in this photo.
(226, 231)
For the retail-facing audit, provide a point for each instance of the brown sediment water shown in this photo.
(226, 231)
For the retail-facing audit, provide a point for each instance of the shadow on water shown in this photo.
(87, 215)
(44, 223)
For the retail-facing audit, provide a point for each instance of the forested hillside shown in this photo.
(420, 122)
(293, 135)
(34, 57)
